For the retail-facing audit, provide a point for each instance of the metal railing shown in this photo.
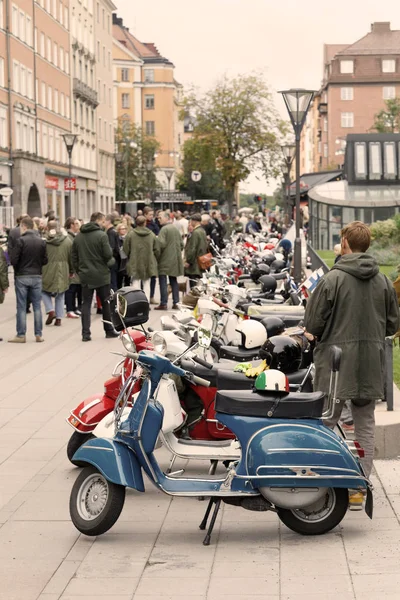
(6, 217)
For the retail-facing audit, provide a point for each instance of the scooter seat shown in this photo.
(244, 276)
(238, 353)
(279, 276)
(230, 380)
(248, 403)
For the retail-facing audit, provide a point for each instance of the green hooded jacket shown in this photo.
(92, 256)
(55, 274)
(141, 248)
(170, 245)
(196, 246)
(74, 278)
(354, 307)
(4, 283)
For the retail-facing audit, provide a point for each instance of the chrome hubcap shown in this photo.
(92, 497)
(320, 510)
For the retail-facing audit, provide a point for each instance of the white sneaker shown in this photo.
(72, 315)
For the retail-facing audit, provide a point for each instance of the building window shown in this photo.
(49, 97)
(36, 40)
(49, 49)
(100, 128)
(1, 14)
(62, 104)
(15, 20)
(98, 51)
(346, 93)
(22, 26)
(109, 60)
(29, 84)
(23, 80)
(149, 101)
(347, 119)
(347, 66)
(42, 45)
(62, 59)
(325, 124)
(125, 101)
(3, 128)
(55, 54)
(375, 160)
(66, 17)
(60, 14)
(43, 94)
(16, 76)
(325, 150)
(98, 12)
(104, 56)
(389, 92)
(56, 101)
(105, 130)
(1, 71)
(28, 37)
(67, 63)
(388, 66)
(150, 128)
(108, 24)
(148, 75)
(124, 74)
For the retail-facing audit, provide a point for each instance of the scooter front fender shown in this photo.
(114, 460)
(90, 412)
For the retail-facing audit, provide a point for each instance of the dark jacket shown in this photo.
(141, 248)
(253, 227)
(92, 256)
(170, 247)
(75, 278)
(354, 306)
(4, 283)
(28, 256)
(196, 246)
(113, 241)
(56, 274)
(153, 226)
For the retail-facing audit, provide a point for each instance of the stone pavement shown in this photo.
(155, 549)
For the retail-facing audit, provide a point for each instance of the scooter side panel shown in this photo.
(114, 460)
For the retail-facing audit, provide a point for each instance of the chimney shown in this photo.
(117, 20)
(381, 27)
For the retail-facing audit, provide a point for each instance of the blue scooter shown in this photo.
(291, 463)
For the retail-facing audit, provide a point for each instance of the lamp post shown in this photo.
(69, 141)
(297, 103)
(289, 152)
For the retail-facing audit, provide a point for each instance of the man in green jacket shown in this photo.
(92, 259)
(354, 307)
(141, 248)
(170, 263)
(56, 274)
(196, 246)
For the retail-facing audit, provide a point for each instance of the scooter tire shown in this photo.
(294, 522)
(79, 499)
(75, 442)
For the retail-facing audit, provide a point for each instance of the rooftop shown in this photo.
(147, 51)
(380, 40)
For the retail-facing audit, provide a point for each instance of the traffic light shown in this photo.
(258, 199)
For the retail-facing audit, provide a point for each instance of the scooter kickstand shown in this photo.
(171, 464)
(203, 524)
(206, 541)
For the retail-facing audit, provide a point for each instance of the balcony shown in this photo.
(85, 92)
(323, 108)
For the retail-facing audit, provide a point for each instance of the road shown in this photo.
(155, 549)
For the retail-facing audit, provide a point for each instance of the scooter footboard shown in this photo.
(114, 460)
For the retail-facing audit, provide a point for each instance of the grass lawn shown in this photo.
(396, 365)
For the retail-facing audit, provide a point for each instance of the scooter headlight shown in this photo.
(159, 343)
(128, 343)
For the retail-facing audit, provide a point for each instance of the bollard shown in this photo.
(389, 373)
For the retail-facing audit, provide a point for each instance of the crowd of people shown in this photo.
(64, 266)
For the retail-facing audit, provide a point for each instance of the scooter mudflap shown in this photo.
(369, 503)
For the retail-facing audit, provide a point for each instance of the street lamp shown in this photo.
(69, 141)
(289, 152)
(297, 102)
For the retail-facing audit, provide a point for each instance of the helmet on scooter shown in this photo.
(283, 353)
(274, 326)
(272, 381)
(258, 271)
(277, 266)
(253, 334)
(268, 284)
(268, 259)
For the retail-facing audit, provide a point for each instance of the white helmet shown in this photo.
(253, 333)
(272, 380)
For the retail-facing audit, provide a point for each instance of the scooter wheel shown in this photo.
(75, 442)
(320, 517)
(95, 503)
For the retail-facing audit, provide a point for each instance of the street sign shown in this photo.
(51, 183)
(70, 184)
(196, 176)
(6, 191)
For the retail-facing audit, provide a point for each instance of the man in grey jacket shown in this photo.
(354, 307)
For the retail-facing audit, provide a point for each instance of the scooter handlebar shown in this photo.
(202, 362)
(197, 380)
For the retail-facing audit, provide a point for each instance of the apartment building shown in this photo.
(147, 94)
(357, 80)
(105, 115)
(35, 102)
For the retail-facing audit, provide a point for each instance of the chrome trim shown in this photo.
(93, 425)
(305, 468)
(89, 406)
(312, 477)
(100, 448)
(114, 371)
(303, 450)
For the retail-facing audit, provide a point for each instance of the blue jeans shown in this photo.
(59, 303)
(164, 289)
(25, 285)
(153, 282)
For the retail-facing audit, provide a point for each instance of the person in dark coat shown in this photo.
(151, 224)
(73, 295)
(196, 246)
(114, 245)
(91, 260)
(123, 278)
(141, 248)
(4, 282)
(354, 307)
(254, 226)
(170, 263)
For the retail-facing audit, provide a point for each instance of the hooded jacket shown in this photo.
(354, 307)
(92, 256)
(141, 248)
(196, 246)
(4, 283)
(55, 279)
(28, 255)
(170, 245)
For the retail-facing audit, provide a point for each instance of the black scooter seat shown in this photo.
(230, 380)
(255, 404)
(279, 276)
(238, 353)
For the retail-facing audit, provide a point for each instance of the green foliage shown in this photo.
(384, 231)
(385, 255)
(239, 123)
(135, 169)
(388, 119)
(200, 156)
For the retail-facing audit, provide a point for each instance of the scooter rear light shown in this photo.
(360, 451)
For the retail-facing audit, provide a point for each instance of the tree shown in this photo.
(135, 169)
(388, 119)
(200, 156)
(238, 121)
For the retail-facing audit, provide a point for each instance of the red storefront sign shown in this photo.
(51, 183)
(70, 184)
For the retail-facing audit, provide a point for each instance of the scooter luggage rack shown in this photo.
(333, 383)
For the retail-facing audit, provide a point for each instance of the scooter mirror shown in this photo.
(122, 305)
(204, 337)
(335, 358)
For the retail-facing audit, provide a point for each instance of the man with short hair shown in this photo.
(170, 263)
(181, 224)
(73, 295)
(151, 224)
(91, 259)
(196, 246)
(113, 241)
(28, 257)
(354, 307)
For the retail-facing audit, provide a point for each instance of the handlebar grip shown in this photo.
(202, 362)
(132, 355)
(200, 381)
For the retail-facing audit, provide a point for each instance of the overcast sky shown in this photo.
(283, 39)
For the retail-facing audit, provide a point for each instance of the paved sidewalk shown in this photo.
(155, 549)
